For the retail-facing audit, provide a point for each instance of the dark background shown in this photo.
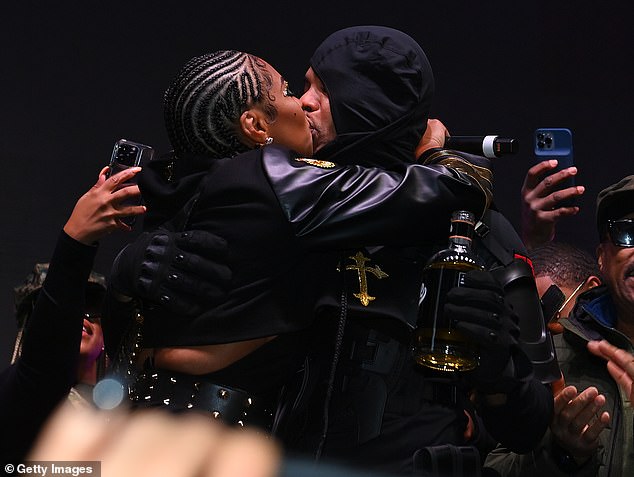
(79, 76)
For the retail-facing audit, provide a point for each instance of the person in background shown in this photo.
(92, 357)
(593, 436)
(47, 368)
(569, 268)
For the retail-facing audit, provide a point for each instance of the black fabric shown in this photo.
(280, 217)
(42, 376)
(289, 208)
(168, 183)
(380, 86)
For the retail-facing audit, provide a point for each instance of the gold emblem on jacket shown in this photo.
(360, 267)
(316, 162)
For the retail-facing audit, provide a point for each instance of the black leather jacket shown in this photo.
(282, 216)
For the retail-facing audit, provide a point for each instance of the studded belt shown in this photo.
(182, 392)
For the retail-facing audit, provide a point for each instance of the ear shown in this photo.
(601, 256)
(253, 127)
(593, 281)
(600, 253)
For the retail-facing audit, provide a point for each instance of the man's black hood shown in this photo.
(380, 86)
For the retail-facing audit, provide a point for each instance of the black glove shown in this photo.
(479, 310)
(184, 272)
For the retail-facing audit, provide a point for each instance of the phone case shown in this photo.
(556, 143)
(129, 154)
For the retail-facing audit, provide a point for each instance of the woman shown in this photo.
(52, 341)
(281, 215)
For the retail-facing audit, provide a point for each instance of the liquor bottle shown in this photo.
(437, 345)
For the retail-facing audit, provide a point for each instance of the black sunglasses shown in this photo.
(621, 232)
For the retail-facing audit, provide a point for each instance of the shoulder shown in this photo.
(279, 161)
(283, 155)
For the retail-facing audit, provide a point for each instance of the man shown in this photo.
(374, 408)
(570, 269)
(584, 441)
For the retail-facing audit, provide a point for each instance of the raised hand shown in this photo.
(576, 426)
(99, 211)
(540, 202)
(620, 364)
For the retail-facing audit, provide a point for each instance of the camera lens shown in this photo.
(540, 144)
(548, 141)
(540, 136)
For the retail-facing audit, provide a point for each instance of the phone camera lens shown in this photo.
(540, 144)
(540, 136)
(548, 141)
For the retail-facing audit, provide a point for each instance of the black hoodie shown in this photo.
(380, 86)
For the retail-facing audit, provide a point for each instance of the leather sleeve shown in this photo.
(329, 205)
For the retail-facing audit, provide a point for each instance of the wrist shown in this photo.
(566, 460)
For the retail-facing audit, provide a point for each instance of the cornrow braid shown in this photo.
(203, 104)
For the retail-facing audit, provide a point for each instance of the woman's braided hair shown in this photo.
(203, 104)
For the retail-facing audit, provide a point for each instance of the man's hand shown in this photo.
(479, 310)
(185, 272)
(434, 136)
(576, 425)
(540, 211)
(620, 364)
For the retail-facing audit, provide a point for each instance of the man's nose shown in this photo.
(307, 102)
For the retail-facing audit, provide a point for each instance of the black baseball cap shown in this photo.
(614, 202)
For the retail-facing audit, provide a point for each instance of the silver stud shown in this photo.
(223, 394)
(166, 401)
(215, 414)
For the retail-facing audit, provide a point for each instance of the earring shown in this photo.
(268, 140)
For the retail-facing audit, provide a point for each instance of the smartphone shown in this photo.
(127, 154)
(556, 143)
